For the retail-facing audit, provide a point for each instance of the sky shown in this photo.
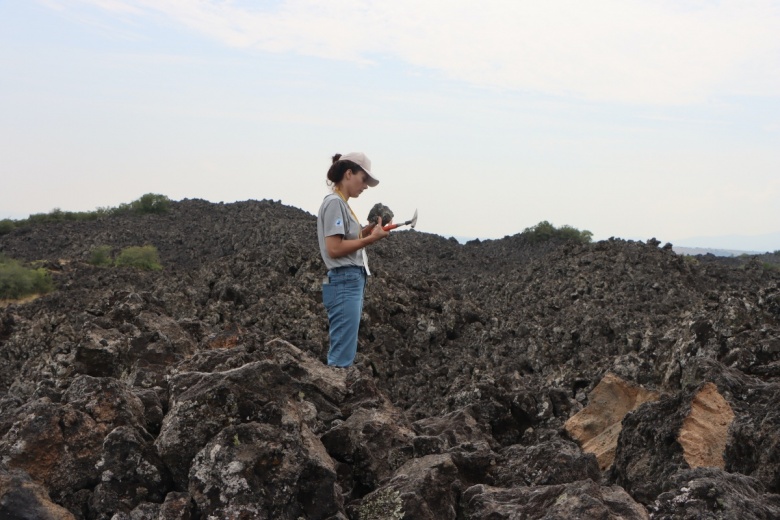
(635, 119)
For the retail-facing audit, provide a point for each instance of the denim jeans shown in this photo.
(343, 299)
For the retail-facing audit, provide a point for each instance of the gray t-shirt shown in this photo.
(335, 218)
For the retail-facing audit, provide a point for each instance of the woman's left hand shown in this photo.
(377, 231)
(368, 229)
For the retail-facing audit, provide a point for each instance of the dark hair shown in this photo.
(339, 168)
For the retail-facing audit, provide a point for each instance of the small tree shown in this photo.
(142, 257)
(545, 231)
(151, 203)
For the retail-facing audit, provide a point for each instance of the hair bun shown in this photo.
(336, 157)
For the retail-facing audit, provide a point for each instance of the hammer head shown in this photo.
(413, 222)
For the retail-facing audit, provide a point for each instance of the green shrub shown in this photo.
(17, 281)
(6, 226)
(100, 256)
(142, 257)
(545, 231)
(151, 203)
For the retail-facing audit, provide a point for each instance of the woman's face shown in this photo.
(355, 183)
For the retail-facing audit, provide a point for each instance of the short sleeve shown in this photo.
(333, 219)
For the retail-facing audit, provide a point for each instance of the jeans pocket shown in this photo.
(328, 294)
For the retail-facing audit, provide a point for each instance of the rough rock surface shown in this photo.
(21, 498)
(484, 373)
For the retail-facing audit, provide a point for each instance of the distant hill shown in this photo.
(750, 244)
(693, 251)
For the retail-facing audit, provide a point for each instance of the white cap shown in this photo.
(364, 162)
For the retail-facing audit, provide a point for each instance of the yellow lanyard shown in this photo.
(360, 229)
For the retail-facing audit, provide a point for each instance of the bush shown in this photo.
(6, 226)
(100, 256)
(545, 231)
(142, 257)
(17, 281)
(149, 203)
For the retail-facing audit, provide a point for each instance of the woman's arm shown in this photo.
(337, 246)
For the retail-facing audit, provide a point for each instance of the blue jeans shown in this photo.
(343, 299)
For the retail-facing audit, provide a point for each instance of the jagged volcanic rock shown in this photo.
(200, 391)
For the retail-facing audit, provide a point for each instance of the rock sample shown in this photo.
(380, 210)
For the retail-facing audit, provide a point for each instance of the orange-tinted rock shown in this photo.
(706, 429)
(597, 426)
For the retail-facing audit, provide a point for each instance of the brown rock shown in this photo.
(705, 431)
(598, 425)
(56, 445)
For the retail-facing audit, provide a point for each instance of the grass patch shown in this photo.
(141, 257)
(19, 301)
(768, 266)
(18, 281)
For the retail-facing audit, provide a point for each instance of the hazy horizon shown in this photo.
(741, 243)
(630, 118)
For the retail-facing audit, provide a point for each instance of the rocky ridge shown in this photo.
(495, 379)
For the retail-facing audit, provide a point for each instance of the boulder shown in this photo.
(553, 462)
(265, 471)
(23, 499)
(713, 493)
(583, 499)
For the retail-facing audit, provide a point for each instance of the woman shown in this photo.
(342, 242)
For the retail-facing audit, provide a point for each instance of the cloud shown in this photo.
(632, 51)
